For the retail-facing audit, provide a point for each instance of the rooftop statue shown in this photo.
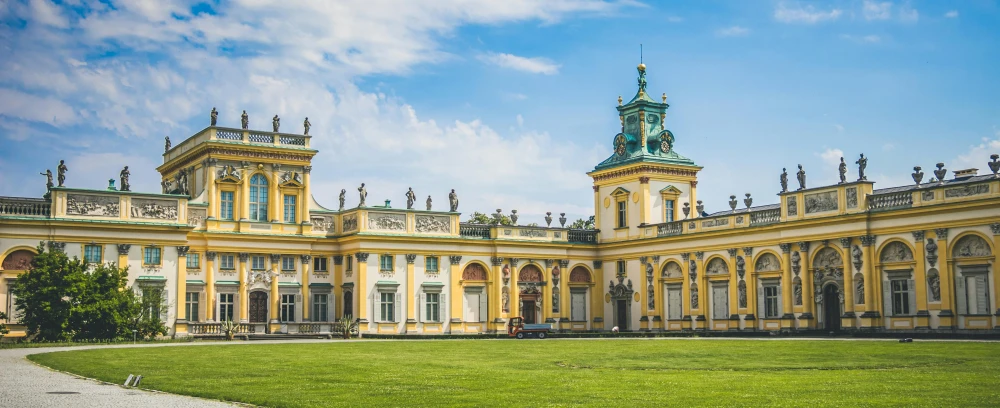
(801, 176)
(411, 198)
(48, 181)
(245, 120)
(363, 193)
(215, 116)
(843, 171)
(453, 200)
(306, 125)
(166, 144)
(124, 179)
(862, 164)
(61, 171)
(784, 180)
(276, 123)
(429, 202)
(343, 195)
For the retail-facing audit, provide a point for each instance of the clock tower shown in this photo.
(644, 181)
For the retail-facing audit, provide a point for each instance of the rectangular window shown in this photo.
(289, 208)
(227, 262)
(193, 261)
(387, 306)
(287, 308)
(674, 303)
(578, 306)
(226, 305)
(288, 263)
(900, 297)
(320, 307)
(976, 294)
(226, 208)
(430, 264)
(319, 264)
(720, 302)
(621, 268)
(385, 263)
(771, 302)
(13, 315)
(433, 307)
(92, 253)
(257, 262)
(191, 303)
(622, 215)
(151, 256)
(350, 262)
(668, 210)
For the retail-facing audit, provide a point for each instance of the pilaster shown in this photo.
(338, 281)
(644, 202)
(210, 286)
(245, 197)
(750, 320)
(180, 323)
(686, 289)
(244, 266)
(361, 290)
(786, 286)
(305, 198)
(597, 297)
(946, 317)
(456, 293)
(848, 319)
(410, 298)
(123, 250)
(306, 301)
(920, 279)
(275, 296)
(807, 319)
(700, 322)
(995, 228)
(871, 317)
(734, 317)
(515, 292)
(213, 205)
(498, 324)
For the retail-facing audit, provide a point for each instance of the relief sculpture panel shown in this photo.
(91, 205)
(967, 191)
(821, 202)
(386, 222)
(433, 224)
(154, 209)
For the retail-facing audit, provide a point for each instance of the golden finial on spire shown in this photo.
(664, 97)
(619, 100)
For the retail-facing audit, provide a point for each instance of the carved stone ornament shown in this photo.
(796, 263)
(896, 252)
(453, 200)
(430, 224)
(742, 297)
(693, 270)
(918, 176)
(411, 258)
(748, 201)
(741, 266)
(867, 240)
(918, 236)
(362, 194)
(210, 255)
(994, 164)
(455, 259)
(350, 222)
(513, 217)
(361, 256)
(967, 190)
(731, 252)
(598, 264)
(767, 263)
(940, 173)
(856, 255)
(934, 284)
(694, 296)
(322, 223)
(971, 246)
(748, 251)
(785, 248)
(852, 197)
(942, 233)
(672, 270)
(19, 260)
(196, 216)
(183, 250)
(845, 242)
(562, 220)
(123, 249)
(686, 209)
(243, 256)
(700, 207)
(564, 263)
(821, 202)
(258, 276)
(859, 289)
(797, 293)
(229, 173)
(92, 205)
(717, 267)
(289, 177)
(733, 202)
(154, 209)
(793, 206)
(530, 273)
(338, 259)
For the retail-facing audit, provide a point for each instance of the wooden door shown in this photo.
(529, 312)
(258, 307)
(831, 308)
(621, 315)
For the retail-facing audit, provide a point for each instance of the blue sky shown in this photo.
(510, 102)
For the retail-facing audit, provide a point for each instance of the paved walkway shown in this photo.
(26, 384)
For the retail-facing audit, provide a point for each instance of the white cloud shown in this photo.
(47, 13)
(951, 14)
(294, 59)
(535, 65)
(862, 39)
(978, 155)
(520, 120)
(831, 156)
(839, 127)
(734, 31)
(876, 10)
(675, 19)
(806, 15)
(908, 14)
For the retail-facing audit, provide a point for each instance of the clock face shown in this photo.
(620, 145)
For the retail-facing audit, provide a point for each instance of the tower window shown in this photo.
(258, 198)
(622, 215)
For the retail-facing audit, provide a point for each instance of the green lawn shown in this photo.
(641, 372)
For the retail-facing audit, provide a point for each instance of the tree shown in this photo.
(583, 224)
(483, 219)
(46, 294)
(3, 326)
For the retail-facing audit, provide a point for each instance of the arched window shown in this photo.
(258, 198)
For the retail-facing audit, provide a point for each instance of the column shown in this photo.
(123, 250)
(410, 298)
(515, 292)
(456, 293)
(686, 290)
(645, 210)
(210, 286)
(245, 195)
(275, 300)
(306, 196)
(946, 318)
(808, 317)
(847, 320)
(274, 211)
(180, 323)
(658, 291)
(734, 317)
(306, 301)
(694, 199)
(750, 320)
(361, 289)
(565, 314)
(338, 280)
(786, 286)
(920, 279)
(870, 317)
(497, 307)
(546, 300)
(597, 298)
(213, 201)
(244, 269)
(995, 228)
(701, 320)
(597, 204)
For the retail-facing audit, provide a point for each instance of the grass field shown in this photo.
(642, 372)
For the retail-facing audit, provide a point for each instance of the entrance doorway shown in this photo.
(528, 311)
(258, 307)
(349, 304)
(831, 307)
(621, 314)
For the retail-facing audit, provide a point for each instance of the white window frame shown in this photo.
(287, 263)
(286, 309)
(254, 265)
(226, 205)
(668, 210)
(193, 261)
(320, 307)
(320, 264)
(290, 201)
(227, 262)
(188, 303)
(100, 253)
(227, 300)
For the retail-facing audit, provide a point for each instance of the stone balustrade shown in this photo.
(232, 135)
(25, 207)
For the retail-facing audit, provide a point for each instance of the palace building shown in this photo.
(236, 235)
